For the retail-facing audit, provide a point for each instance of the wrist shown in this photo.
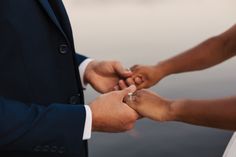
(177, 109)
(168, 113)
(163, 69)
(94, 117)
(89, 71)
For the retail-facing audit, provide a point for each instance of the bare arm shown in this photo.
(219, 113)
(207, 54)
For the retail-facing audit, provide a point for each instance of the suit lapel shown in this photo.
(59, 9)
(46, 6)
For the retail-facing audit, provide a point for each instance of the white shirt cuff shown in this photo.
(88, 123)
(82, 69)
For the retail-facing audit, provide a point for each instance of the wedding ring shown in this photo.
(130, 95)
(128, 69)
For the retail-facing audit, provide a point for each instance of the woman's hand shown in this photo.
(150, 105)
(143, 76)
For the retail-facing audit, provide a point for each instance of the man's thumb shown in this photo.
(122, 72)
(126, 91)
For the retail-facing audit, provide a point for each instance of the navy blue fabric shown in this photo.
(40, 88)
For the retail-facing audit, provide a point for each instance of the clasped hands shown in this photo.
(114, 111)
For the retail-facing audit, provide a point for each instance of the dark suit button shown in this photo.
(37, 148)
(75, 99)
(61, 150)
(63, 49)
(53, 149)
(46, 148)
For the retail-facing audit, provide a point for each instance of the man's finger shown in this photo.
(121, 71)
(122, 84)
(116, 88)
(142, 86)
(126, 91)
(130, 81)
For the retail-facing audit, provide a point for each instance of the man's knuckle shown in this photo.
(129, 127)
(116, 63)
(132, 117)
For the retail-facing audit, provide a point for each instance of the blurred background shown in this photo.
(146, 32)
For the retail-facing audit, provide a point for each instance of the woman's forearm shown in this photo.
(207, 54)
(212, 113)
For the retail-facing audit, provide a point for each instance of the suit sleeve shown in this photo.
(27, 127)
(79, 58)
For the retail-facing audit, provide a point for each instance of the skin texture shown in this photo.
(147, 76)
(207, 54)
(220, 113)
(150, 105)
(104, 76)
(211, 113)
(111, 114)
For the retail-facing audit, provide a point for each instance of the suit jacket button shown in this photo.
(37, 148)
(53, 149)
(63, 48)
(75, 99)
(46, 148)
(61, 150)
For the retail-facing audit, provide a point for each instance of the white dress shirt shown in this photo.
(88, 119)
(230, 150)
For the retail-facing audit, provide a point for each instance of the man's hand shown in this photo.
(111, 114)
(103, 76)
(150, 105)
(143, 76)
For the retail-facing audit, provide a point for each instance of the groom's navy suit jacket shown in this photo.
(40, 87)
